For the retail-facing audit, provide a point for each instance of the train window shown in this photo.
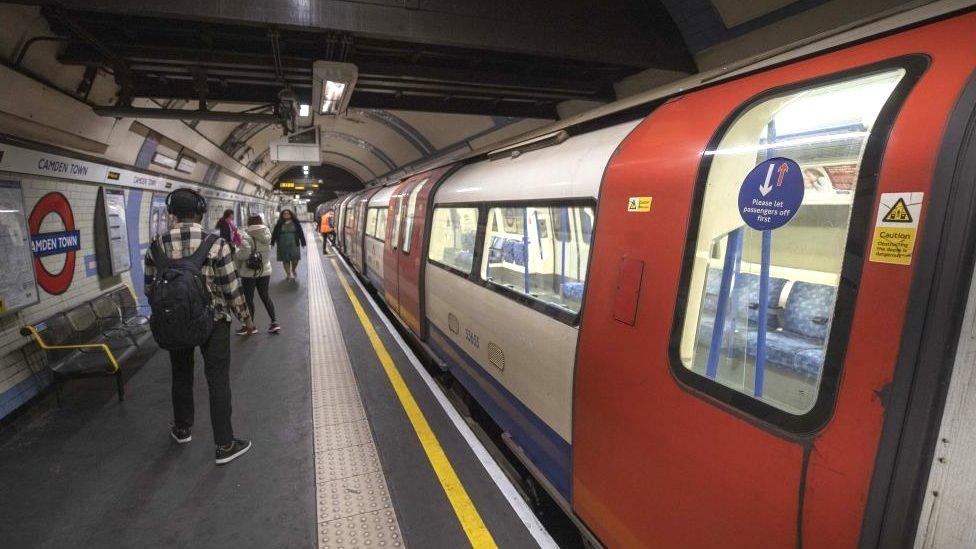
(396, 221)
(825, 129)
(411, 210)
(452, 236)
(380, 230)
(539, 252)
(371, 221)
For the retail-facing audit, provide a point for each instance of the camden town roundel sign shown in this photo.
(64, 242)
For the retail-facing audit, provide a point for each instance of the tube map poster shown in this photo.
(18, 288)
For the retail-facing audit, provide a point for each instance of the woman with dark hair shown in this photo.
(228, 230)
(288, 236)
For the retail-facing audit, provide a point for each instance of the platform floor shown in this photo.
(341, 457)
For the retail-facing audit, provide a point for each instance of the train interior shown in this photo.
(825, 129)
(539, 251)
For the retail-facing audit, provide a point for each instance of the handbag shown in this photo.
(255, 261)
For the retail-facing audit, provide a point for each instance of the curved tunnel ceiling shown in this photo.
(426, 82)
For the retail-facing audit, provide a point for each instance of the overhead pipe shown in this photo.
(186, 114)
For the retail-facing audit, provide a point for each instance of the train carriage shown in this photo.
(675, 376)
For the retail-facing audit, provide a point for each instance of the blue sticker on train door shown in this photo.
(771, 194)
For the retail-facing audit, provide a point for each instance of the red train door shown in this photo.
(682, 434)
(391, 247)
(405, 262)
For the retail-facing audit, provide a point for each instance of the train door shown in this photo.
(352, 221)
(689, 428)
(358, 254)
(391, 282)
(340, 227)
(417, 194)
(374, 241)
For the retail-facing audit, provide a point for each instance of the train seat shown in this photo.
(795, 333)
(798, 345)
(745, 287)
(572, 290)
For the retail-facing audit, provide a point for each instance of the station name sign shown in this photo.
(55, 243)
(22, 160)
(62, 168)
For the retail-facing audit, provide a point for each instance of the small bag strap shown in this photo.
(199, 257)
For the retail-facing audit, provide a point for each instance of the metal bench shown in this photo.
(94, 339)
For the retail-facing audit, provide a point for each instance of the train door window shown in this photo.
(371, 221)
(825, 129)
(539, 253)
(452, 237)
(395, 240)
(411, 210)
(379, 232)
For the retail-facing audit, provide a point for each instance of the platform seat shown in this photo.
(134, 317)
(796, 333)
(95, 339)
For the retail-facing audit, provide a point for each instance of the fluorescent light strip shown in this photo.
(789, 143)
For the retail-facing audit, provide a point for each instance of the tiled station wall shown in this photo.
(23, 372)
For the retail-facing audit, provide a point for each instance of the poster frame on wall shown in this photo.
(159, 222)
(111, 237)
(28, 256)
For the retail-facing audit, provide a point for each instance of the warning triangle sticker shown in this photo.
(898, 213)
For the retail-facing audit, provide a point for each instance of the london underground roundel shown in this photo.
(65, 242)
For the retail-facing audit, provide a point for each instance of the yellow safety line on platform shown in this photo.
(467, 514)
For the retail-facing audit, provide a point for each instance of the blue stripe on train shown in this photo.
(547, 450)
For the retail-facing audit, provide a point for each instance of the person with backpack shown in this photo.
(254, 267)
(193, 290)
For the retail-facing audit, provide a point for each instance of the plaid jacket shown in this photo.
(218, 270)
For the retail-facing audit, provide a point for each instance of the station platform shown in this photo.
(354, 445)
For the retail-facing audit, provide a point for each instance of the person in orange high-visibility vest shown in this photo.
(327, 230)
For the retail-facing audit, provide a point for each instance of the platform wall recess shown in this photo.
(22, 369)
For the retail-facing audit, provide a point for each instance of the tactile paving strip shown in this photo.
(353, 502)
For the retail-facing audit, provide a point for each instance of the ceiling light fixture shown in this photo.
(332, 85)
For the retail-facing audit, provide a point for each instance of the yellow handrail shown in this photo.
(32, 331)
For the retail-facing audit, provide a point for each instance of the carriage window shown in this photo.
(540, 252)
(452, 236)
(379, 232)
(371, 222)
(396, 221)
(411, 209)
(824, 129)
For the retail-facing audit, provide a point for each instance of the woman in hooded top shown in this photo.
(253, 258)
(288, 237)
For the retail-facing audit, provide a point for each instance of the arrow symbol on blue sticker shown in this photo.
(765, 188)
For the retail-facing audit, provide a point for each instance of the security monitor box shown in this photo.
(301, 148)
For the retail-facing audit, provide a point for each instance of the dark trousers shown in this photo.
(216, 366)
(327, 238)
(261, 284)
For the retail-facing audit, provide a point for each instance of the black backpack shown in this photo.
(182, 311)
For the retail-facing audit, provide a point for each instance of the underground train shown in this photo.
(672, 366)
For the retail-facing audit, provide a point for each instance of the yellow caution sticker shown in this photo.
(639, 204)
(894, 231)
